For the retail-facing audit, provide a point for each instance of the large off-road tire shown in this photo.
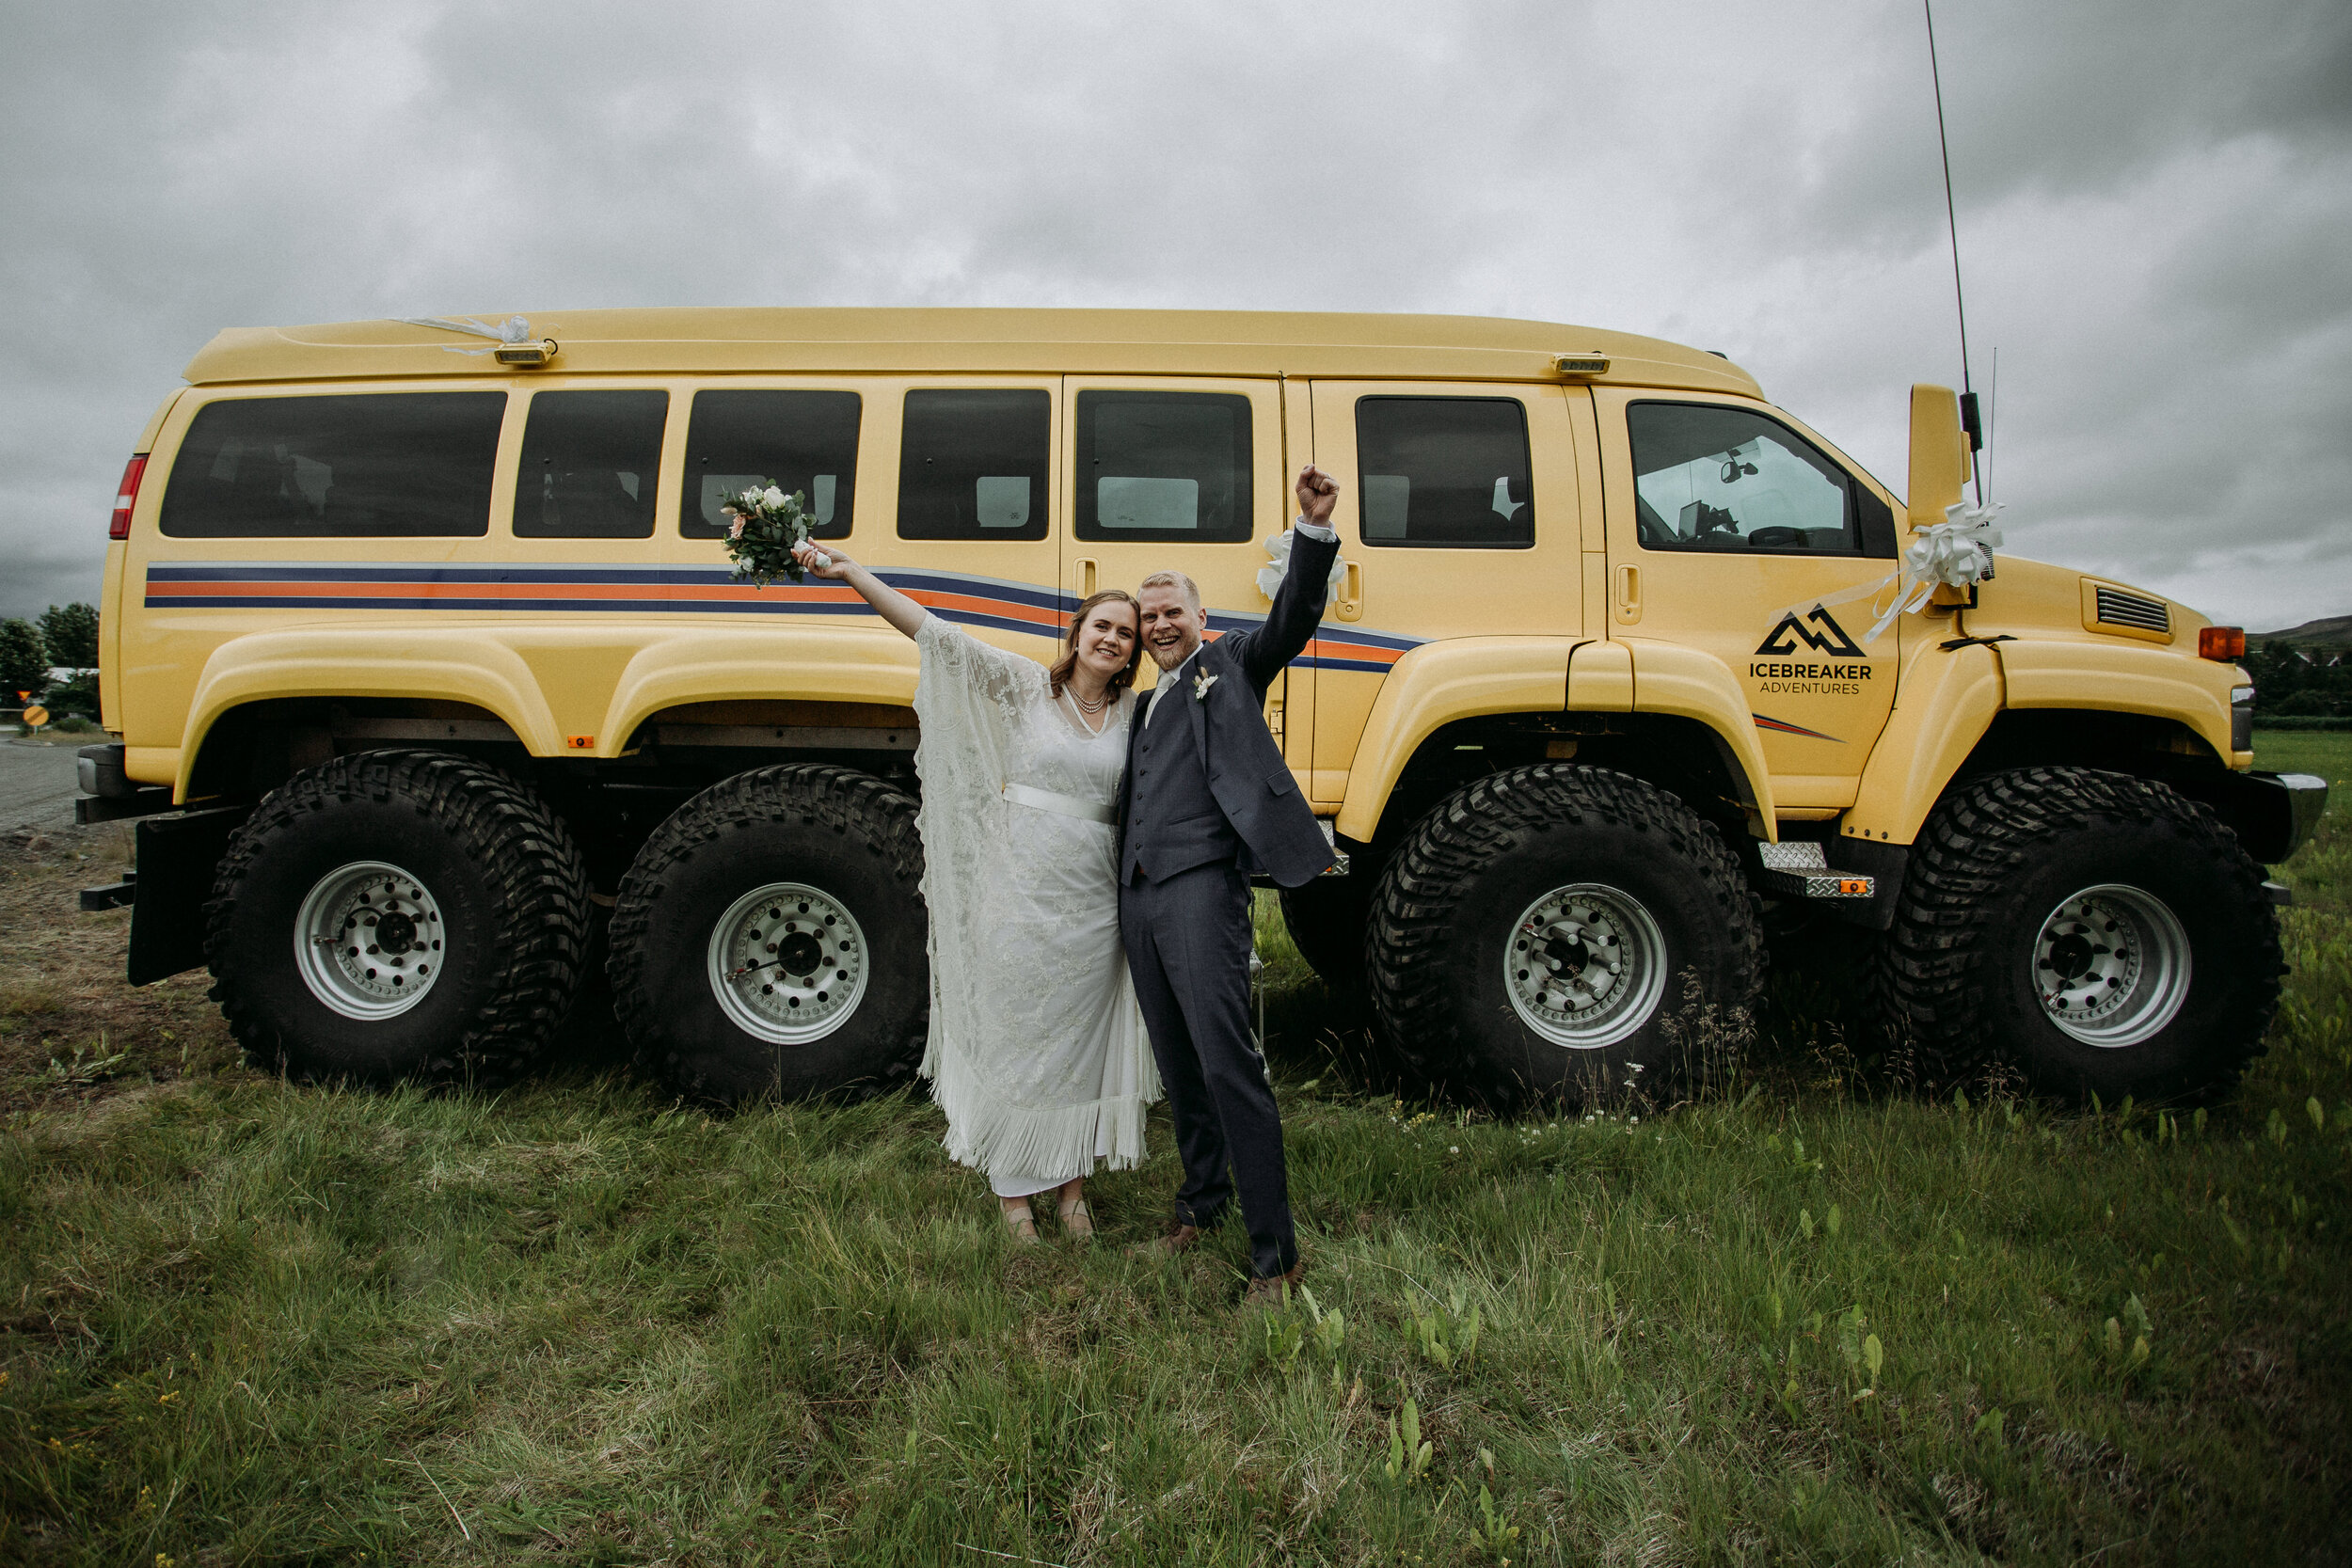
(2096, 931)
(1327, 919)
(395, 915)
(770, 939)
(1497, 922)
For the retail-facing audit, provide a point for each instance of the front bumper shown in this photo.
(2273, 813)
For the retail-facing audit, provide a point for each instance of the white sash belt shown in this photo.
(1063, 805)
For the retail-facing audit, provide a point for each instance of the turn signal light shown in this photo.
(126, 496)
(2221, 643)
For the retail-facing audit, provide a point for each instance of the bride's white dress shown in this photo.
(1038, 1051)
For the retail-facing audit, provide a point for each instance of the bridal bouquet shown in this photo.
(767, 523)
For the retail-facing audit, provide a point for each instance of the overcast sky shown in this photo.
(2154, 202)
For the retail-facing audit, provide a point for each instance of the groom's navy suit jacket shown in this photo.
(1206, 784)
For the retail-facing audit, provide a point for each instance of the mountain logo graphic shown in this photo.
(1831, 638)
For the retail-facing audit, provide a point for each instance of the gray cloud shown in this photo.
(2153, 200)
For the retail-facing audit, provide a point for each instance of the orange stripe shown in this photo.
(695, 592)
(1003, 609)
(412, 589)
(1357, 651)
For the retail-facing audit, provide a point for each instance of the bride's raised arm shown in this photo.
(993, 671)
(893, 606)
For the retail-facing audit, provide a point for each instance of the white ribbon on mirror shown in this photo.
(514, 329)
(1954, 554)
(1270, 574)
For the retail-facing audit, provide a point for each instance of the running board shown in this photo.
(1797, 869)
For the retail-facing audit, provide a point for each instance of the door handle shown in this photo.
(1628, 594)
(1086, 577)
(1351, 605)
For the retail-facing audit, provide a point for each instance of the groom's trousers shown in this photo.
(1189, 945)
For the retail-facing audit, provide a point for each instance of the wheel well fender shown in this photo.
(771, 664)
(1439, 683)
(1943, 705)
(424, 664)
(256, 746)
(1685, 683)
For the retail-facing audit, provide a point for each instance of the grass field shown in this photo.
(1826, 1315)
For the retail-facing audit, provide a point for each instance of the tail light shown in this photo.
(126, 496)
(2221, 643)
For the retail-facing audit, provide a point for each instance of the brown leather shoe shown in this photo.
(1271, 1294)
(1159, 1248)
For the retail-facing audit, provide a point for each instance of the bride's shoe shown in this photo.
(1022, 1222)
(1077, 1220)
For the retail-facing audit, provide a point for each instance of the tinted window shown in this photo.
(1163, 465)
(589, 465)
(797, 442)
(972, 465)
(1709, 478)
(397, 465)
(1445, 471)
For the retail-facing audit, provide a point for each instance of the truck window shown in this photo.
(797, 442)
(1445, 472)
(972, 464)
(1711, 478)
(390, 464)
(1163, 465)
(589, 465)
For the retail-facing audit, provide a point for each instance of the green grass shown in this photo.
(1819, 1318)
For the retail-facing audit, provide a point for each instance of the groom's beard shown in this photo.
(1171, 659)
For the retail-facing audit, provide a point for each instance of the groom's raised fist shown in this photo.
(1318, 493)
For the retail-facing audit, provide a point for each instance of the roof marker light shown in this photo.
(1581, 364)
(525, 354)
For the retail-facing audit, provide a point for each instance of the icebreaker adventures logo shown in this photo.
(1831, 639)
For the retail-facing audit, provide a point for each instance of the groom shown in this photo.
(1206, 801)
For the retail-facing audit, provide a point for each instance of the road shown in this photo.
(37, 786)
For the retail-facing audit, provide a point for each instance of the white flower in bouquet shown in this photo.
(767, 523)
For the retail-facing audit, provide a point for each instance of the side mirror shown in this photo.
(1939, 454)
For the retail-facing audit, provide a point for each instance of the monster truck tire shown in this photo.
(1496, 922)
(483, 885)
(2098, 932)
(1327, 920)
(770, 939)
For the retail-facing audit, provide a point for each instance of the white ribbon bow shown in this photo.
(1954, 554)
(1270, 574)
(514, 329)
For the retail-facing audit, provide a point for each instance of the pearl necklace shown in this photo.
(1083, 706)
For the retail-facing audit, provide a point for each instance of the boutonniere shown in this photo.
(1201, 684)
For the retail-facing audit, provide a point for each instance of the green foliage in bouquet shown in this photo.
(767, 523)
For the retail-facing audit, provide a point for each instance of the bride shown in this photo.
(1038, 1051)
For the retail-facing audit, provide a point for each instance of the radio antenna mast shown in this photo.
(1969, 418)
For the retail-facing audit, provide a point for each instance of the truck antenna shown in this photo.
(1969, 418)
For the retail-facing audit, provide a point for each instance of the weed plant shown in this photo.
(1824, 1312)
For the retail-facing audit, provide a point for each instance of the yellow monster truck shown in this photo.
(421, 650)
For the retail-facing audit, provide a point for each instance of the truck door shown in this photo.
(1457, 518)
(1725, 523)
(1189, 474)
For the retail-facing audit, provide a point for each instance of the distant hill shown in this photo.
(2333, 632)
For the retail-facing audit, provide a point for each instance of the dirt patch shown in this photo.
(70, 1029)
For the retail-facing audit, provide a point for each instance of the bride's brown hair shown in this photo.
(1057, 674)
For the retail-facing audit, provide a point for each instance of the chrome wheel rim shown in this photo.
(787, 964)
(1585, 966)
(368, 941)
(2111, 965)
